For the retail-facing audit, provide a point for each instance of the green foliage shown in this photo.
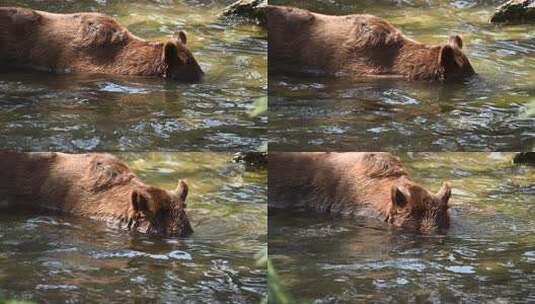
(276, 293)
(260, 106)
(531, 108)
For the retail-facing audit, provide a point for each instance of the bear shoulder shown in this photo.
(99, 30)
(370, 32)
(381, 165)
(104, 172)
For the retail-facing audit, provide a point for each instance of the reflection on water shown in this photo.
(489, 112)
(87, 112)
(56, 259)
(488, 255)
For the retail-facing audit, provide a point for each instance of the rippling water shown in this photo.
(490, 112)
(100, 112)
(57, 259)
(488, 254)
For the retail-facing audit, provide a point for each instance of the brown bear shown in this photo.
(89, 42)
(361, 45)
(370, 184)
(98, 186)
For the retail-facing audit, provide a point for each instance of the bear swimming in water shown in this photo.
(89, 42)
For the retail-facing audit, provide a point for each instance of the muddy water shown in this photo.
(488, 254)
(86, 112)
(490, 112)
(59, 259)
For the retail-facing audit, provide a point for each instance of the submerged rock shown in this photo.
(246, 9)
(525, 158)
(515, 11)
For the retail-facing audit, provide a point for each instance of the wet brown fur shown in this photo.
(88, 42)
(98, 186)
(373, 184)
(361, 45)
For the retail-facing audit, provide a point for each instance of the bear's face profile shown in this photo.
(454, 65)
(415, 208)
(179, 61)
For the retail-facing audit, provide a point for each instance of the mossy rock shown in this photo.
(250, 10)
(525, 158)
(515, 11)
(252, 159)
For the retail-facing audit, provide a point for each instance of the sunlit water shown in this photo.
(87, 112)
(59, 259)
(488, 256)
(489, 112)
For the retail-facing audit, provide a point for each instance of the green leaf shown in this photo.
(260, 106)
(530, 112)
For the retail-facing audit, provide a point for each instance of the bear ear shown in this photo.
(140, 202)
(182, 190)
(444, 193)
(170, 52)
(455, 41)
(447, 56)
(399, 199)
(181, 36)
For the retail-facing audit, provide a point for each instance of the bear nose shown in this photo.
(200, 72)
(198, 76)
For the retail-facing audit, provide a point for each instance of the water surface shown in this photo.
(41, 111)
(51, 258)
(487, 113)
(488, 256)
